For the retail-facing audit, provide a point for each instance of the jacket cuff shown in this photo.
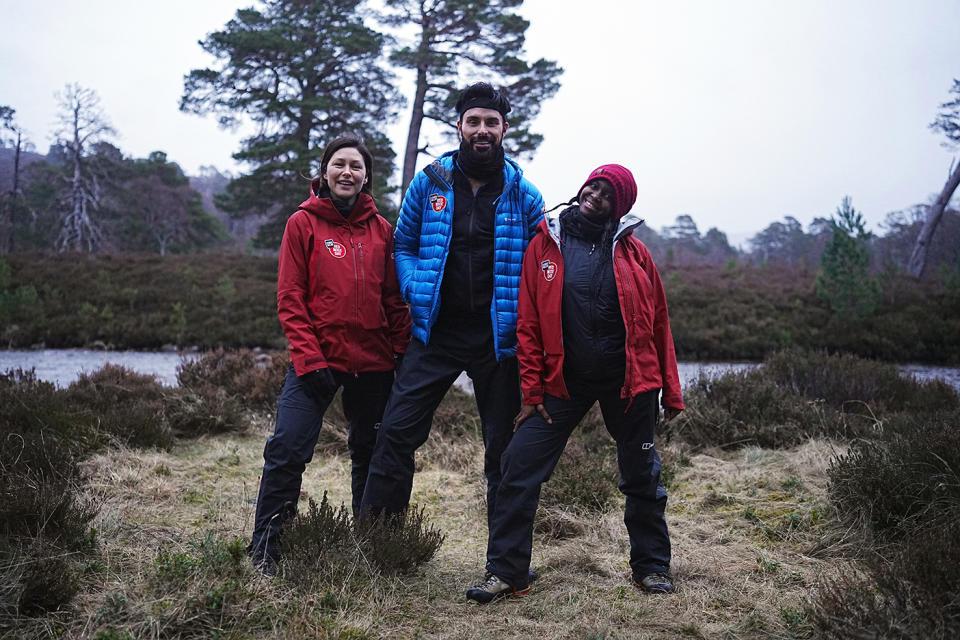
(534, 396)
(675, 402)
(305, 364)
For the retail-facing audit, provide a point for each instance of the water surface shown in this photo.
(63, 366)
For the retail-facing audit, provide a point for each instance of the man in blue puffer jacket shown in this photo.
(464, 224)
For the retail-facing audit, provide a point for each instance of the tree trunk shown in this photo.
(918, 259)
(413, 134)
(16, 167)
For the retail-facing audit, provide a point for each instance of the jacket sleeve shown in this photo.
(406, 238)
(663, 339)
(293, 287)
(530, 359)
(398, 314)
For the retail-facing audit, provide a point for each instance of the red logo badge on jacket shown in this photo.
(336, 249)
(549, 269)
(438, 201)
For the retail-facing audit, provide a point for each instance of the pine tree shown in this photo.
(458, 42)
(844, 281)
(304, 72)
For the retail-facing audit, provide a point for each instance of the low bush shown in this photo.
(798, 394)
(901, 489)
(45, 433)
(742, 408)
(585, 479)
(253, 378)
(326, 548)
(125, 406)
(850, 383)
(904, 481)
(908, 592)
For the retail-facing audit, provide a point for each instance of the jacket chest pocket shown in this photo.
(638, 302)
(370, 269)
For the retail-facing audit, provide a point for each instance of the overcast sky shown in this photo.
(736, 112)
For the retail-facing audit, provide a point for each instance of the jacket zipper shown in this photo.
(357, 286)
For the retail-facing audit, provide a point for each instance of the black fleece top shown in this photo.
(467, 287)
(594, 336)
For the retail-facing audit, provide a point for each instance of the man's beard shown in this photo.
(482, 165)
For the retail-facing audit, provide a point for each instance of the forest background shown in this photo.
(305, 72)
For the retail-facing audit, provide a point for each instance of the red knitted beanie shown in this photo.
(624, 187)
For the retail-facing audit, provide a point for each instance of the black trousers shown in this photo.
(427, 372)
(290, 448)
(533, 454)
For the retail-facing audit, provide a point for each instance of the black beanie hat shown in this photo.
(484, 96)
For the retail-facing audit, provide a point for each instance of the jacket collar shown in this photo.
(440, 171)
(323, 207)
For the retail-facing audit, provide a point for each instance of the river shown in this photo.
(62, 366)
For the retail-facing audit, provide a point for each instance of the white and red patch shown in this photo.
(549, 270)
(438, 202)
(336, 249)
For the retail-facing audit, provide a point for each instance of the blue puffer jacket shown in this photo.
(422, 242)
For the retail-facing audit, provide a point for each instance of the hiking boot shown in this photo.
(266, 566)
(492, 588)
(655, 583)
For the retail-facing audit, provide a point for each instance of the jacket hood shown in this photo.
(551, 224)
(321, 205)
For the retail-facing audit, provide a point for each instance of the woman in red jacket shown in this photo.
(340, 307)
(592, 327)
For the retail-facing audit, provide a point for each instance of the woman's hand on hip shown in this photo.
(527, 411)
(669, 413)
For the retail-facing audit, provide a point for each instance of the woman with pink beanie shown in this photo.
(592, 327)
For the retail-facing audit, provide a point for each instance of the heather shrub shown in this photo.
(325, 548)
(399, 544)
(39, 577)
(127, 407)
(851, 383)
(255, 379)
(797, 394)
(30, 405)
(907, 479)
(909, 591)
(43, 519)
(191, 414)
(585, 479)
(902, 490)
(741, 408)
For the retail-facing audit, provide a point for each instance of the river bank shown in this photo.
(63, 366)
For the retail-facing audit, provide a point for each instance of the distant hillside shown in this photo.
(210, 183)
(6, 165)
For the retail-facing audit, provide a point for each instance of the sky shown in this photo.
(736, 112)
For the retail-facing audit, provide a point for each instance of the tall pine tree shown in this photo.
(844, 281)
(458, 42)
(304, 72)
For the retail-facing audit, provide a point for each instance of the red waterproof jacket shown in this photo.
(651, 359)
(337, 294)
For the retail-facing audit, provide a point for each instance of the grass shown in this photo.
(785, 542)
(161, 511)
